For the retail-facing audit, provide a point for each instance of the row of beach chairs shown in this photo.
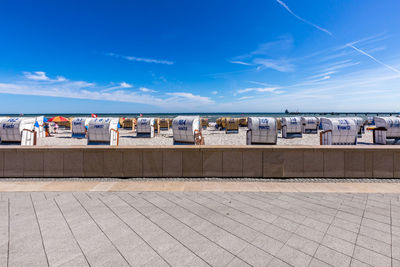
(188, 129)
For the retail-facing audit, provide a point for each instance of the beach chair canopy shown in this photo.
(102, 129)
(184, 127)
(391, 124)
(12, 129)
(263, 130)
(343, 130)
(145, 125)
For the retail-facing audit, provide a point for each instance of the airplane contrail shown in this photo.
(330, 34)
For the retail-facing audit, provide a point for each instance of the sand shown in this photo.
(211, 135)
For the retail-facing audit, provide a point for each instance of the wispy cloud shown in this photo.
(282, 65)
(214, 92)
(183, 96)
(264, 56)
(257, 89)
(141, 59)
(41, 76)
(240, 62)
(147, 90)
(352, 44)
(373, 58)
(122, 85)
(304, 20)
(92, 91)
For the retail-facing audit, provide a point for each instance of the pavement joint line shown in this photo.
(330, 235)
(162, 228)
(391, 233)
(101, 229)
(72, 233)
(235, 256)
(359, 229)
(222, 228)
(320, 243)
(122, 220)
(292, 234)
(40, 229)
(8, 243)
(315, 218)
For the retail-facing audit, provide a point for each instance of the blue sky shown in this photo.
(193, 56)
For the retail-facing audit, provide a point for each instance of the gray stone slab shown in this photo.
(61, 246)
(332, 257)
(293, 256)
(370, 257)
(200, 229)
(97, 248)
(26, 247)
(3, 233)
(132, 247)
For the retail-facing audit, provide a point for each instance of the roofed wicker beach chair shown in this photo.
(187, 130)
(243, 122)
(79, 127)
(164, 124)
(231, 125)
(291, 127)
(103, 131)
(387, 130)
(145, 127)
(310, 125)
(18, 130)
(262, 130)
(338, 131)
(204, 123)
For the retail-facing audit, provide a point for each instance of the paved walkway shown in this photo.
(199, 229)
(202, 185)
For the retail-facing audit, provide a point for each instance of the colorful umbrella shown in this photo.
(58, 119)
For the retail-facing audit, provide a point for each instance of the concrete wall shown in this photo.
(203, 161)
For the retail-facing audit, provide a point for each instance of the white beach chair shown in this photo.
(310, 125)
(103, 131)
(145, 127)
(39, 127)
(291, 127)
(387, 130)
(261, 130)
(18, 130)
(338, 131)
(79, 127)
(187, 130)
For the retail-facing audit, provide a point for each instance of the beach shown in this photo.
(212, 136)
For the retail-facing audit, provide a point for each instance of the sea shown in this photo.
(213, 116)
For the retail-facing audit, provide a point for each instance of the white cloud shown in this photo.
(147, 90)
(214, 92)
(141, 59)
(245, 97)
(41, 76)
(257, 89)
(240, 62)
(37, 76)
(183, 96)
(281, 65)
(122, 85)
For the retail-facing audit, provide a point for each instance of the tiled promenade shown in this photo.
(131, 228)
